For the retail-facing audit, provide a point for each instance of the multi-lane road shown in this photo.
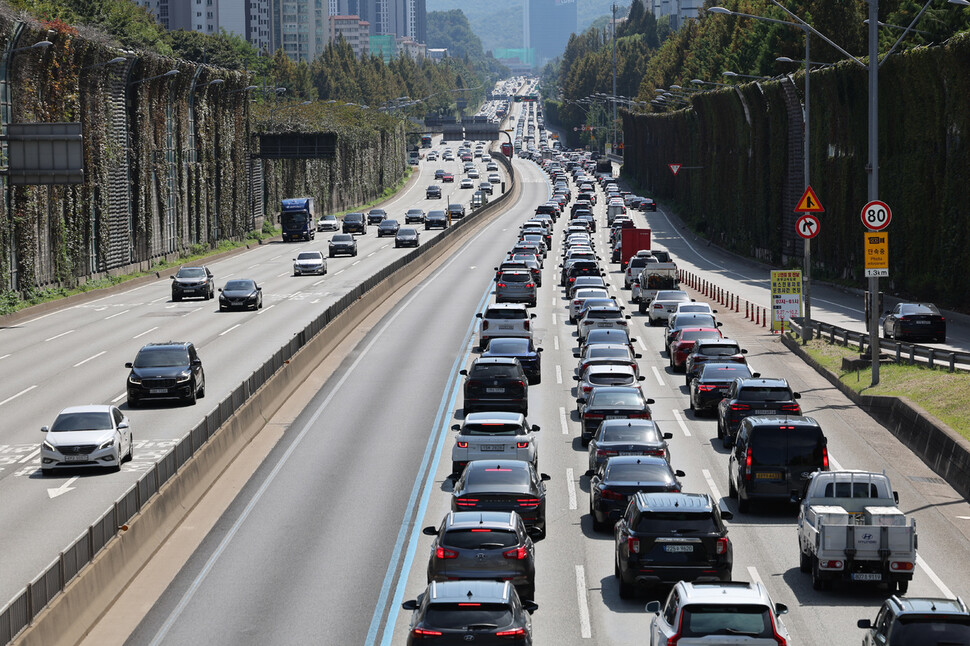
(324, 541)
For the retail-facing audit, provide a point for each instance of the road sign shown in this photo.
(674, 168)
(876, 245)
(809, 203)
(876, 215)
(808, 226)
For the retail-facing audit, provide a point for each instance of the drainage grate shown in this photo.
(928, 480)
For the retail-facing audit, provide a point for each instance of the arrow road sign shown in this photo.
(674, 168)
(808, 226)
(64, 488)
(809, 202)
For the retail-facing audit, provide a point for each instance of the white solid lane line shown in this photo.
(57, 336)
(585, 631)
(571, 487)
(81, 363)
(680, 421)
(562, 421)
(656, 373)
(13, 397)
(711, 484)
(114, 315)
(230, 329)
(934, 578)
(145, 332)
(755, 577)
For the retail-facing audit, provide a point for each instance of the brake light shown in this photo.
(722, 546)
(443, 553)
(737, 407)
(901, 566)
(658, 306)
(643, 415)
(779, 640)
(526, 324)
(586, 389)
(502, 285)
(521, 445)
(705, 388)
(594, 416)
(577, 303)
(572, 279)
(516, 554)
(621, 322)
(747, 464)
(421, 632)
(530, 284)
(792, 408)
(462, 445)
(825, 458)
(466, 502)
(528, 502)
(657, 452)
(602, 453)
(633, 544)
(517, 632)
(611, 495)
(484, 324)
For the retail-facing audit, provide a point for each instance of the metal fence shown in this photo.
(21, 610)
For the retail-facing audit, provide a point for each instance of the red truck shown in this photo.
(631, 241)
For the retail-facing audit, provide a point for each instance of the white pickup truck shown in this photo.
(654, 277)
(849, 528)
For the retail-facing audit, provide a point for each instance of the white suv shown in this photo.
(494, 436)
(504, 319)
(694, 612)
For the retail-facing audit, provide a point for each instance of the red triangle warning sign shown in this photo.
(674, 168)
(809, 203)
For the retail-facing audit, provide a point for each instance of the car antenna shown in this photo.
(470, 595)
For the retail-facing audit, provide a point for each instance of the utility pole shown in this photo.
(614, 78)
(874, 175)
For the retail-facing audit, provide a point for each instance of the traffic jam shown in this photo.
(672, 547)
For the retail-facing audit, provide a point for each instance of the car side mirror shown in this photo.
(896, 497)
(693, 300)
(532, 316)
(530, 606)
(864, 623)
(172, 277)
(679, 473)
(580, 400)
(668, 436)
(456, 427)
(478, 315)
(755, 374)
(718, 324)
(122, 425)
(196, 362)
(575, 378)
(590, 473)
(781, 609)
(128, 365)
(794, 498)
(538, 349)
(628, 317)
(743, 351)
(220, 289)
(410, 604)
(653, 606)
(633, 339)
(796, 395)
(463, 372)
(45, 429)
(651, 401)
(431, 530)
(535, 428)
(545, 477)
(727, 514)
(576, 355)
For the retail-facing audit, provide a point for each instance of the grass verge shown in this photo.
(943, 394)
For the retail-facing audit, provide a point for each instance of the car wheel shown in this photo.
(193, 395)
(201, 391)
(456, 468)
(744, 505)
(691, 400)
(132, 402)
(528, 592)
(330, 255)
(817, 582)
(804, 562)
(902, 587)
(396, 245)
(223, 308)
(354, 254)
(177, 299)
(732, 490)
(598, 526)
(584, 440)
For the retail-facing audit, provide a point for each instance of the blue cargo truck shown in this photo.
(298, 219)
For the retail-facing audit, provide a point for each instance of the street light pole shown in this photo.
(873, 169)
(614, 78)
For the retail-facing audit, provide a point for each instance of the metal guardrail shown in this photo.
(901, 351)
(20, 611)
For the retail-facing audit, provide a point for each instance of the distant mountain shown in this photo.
(499, 22)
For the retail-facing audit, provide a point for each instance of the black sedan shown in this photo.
(914, 321)
(414, 215)
(512, 485)
(436, 219)
(628, 437)
(611, 402)
(243, 293)
(343, 243)
(407, 237)
(483, 545)
(376, 216)
(708, 388)
(523, 350)
(480, 612)
(647, 204)
(388, 228)
(614, 483)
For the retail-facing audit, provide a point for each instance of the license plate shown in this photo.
(157, 391)
(616, 417)
(606, 325)
(75, 458)
(495, 390)
(630, 453)
(505, 327)
(768, 475)
(866, 576)
(678, 548)
(763, 412)
(493, 447)
(922, 322)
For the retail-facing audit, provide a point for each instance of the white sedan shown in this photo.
(96, 435)
(665, 303)
(466, 183)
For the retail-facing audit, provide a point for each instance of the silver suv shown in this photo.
(504, 319)
(516, 287)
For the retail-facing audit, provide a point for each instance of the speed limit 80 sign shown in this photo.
(876, 215)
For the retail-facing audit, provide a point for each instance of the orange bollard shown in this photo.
(747, 310)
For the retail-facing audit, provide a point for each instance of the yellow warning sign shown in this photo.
(876, 244)
(809, 202)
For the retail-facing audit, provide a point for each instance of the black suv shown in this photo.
(433, 192)
(746, 397)
(436, 219)
(376, 216)
(918, 620)
(193, 281)
(483, 545)
(497, 383)
(483, 612)
(456, 211)
(663, 538)
(170, 370)
(503, 485)
(774, 456)
(355, 223)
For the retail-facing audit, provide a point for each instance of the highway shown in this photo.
(76, 355)
(324, 542)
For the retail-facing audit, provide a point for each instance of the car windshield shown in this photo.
(608, 353)
(353, 217)
(415, 212)
(191, 272)
(693, 335)
(694, 319)
(610, 379)
(492, 428)
(925, 629)
(161, 357)
(604, 314)
(703, 620)
(667, 522)
(516, 277)
(724, 372)
(436, 214)
(765, 394)
(240, 286)
(310, 255)
(632, 472)
(497, 475)
(921, 308)
(342, 237)
(718, 350)
(670, 295)
(459, 616)
(387, 224)
(92, 421)
(493, 371)
(616, 398)
(480, 538)
(406, 232)
(505, 314)
(778, 446)
(329, 218)
(693, 308)
(509, 346)
(630, 433)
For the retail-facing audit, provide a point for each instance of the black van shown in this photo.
(774, 455)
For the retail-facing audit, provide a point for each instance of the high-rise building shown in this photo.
(547, 26)
(247, 18)
(353, 30)
(678, 10)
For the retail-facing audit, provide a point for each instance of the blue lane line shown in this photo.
(424, 477)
